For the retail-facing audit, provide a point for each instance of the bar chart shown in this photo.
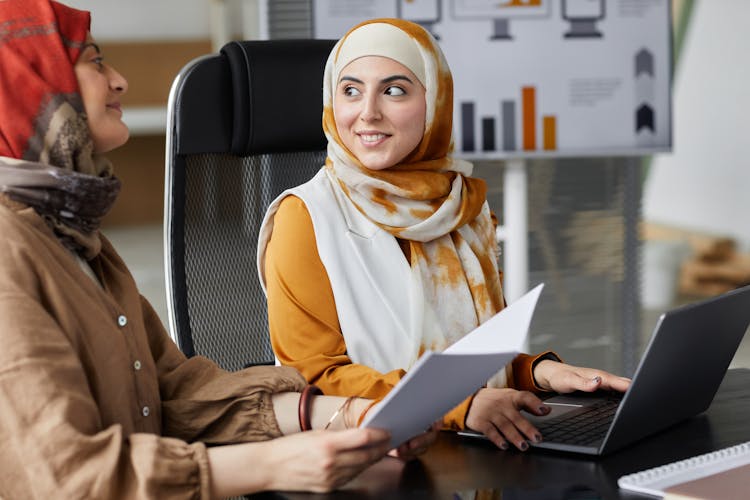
(537, 132)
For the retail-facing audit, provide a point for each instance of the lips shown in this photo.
(115, 106)
(372, 137)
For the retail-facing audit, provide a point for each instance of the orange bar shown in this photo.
(549, 127)
(528, 117)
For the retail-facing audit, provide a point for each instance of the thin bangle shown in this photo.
(305, 406)
(364, 412)
(344, 406)
(347, 405)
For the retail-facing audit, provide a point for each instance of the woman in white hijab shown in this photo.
(390, 250)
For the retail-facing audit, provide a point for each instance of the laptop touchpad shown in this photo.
(560, 405)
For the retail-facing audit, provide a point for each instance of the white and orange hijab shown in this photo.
(428, 199)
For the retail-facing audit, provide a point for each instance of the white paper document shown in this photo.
(439, 381)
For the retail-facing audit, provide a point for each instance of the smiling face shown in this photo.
(379, 109)
(101, 87)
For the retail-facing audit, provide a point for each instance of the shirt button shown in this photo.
(122, 320)
(145, 411)
(137, 365)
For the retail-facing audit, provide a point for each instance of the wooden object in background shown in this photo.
(139, 164)
(150, 68)
(715, 269)
(714, 266)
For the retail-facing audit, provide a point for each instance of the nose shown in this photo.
(370, 109)
(117, 82)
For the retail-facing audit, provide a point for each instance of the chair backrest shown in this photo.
(243, 125)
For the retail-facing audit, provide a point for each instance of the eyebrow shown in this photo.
(389, 79)
(91, 44)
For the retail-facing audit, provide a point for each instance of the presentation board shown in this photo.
(537, 78)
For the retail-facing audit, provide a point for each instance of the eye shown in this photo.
(350, 91)
(99, 62)
(395, 91)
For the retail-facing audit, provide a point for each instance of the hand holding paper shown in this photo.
(439, 381)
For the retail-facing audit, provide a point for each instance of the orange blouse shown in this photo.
(304, 325)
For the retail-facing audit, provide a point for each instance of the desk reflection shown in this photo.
(544, 493)
(459, 468)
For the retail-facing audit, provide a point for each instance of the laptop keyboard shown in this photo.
(584, 426)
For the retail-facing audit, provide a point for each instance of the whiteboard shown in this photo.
(536, 78)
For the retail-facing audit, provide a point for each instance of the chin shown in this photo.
(377, 164)
(106, 143)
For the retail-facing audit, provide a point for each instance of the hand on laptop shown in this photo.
(496, 413)
(563, 378)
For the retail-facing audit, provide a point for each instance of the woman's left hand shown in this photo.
(417, 445)
(560, 377)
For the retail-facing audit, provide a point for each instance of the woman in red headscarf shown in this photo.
(96, 401)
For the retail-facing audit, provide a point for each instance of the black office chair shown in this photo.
(242, 126)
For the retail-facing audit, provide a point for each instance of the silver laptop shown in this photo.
(677, 378)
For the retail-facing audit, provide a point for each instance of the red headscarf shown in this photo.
(46, 151)
(39, 43)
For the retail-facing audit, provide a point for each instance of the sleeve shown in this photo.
(455, 419)
(522, 379)
(523, 371)
(303, 322)
(202, 402)
(53, 442)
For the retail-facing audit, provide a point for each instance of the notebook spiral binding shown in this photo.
(654, 480)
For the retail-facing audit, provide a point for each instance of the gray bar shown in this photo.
(488, 134)
(508, 113)
(467, 126)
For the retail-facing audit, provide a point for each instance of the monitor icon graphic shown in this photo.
(500, 12)
(583, 16)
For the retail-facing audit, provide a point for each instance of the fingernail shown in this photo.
(596, 379)
(544, 409)
(524, 445)
(503, 446)
(537, 438)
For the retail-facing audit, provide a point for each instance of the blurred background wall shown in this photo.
(691, 236)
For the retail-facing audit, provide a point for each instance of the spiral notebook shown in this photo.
(718, 474)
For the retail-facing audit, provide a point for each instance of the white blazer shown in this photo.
(379, 300)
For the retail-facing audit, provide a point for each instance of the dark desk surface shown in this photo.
(461, 468)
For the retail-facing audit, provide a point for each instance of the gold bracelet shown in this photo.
(364, 412)
(347, 404)
(344, 406)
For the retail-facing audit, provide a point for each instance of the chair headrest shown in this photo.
(277, 94)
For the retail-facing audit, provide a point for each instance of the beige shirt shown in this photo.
(96, 401)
